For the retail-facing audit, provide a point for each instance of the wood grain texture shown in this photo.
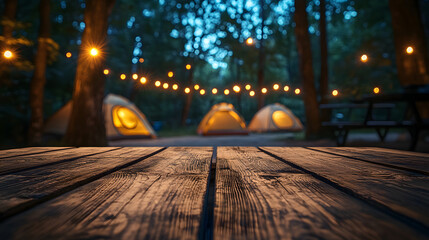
(160, 197)
(19, 163)
(26, 186)
(29, 150)
(417, 162)
(259, 197)
(401, 191)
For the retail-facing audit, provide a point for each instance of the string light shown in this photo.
(297, 91)
(170, 74)
(175, 87)
(68, 54)
(364, 58)
(410, 50)
(264, 90)
(196, 86)
(276, 87)
(143, 80)
(157, 83)
(252, 93)
(376, 90)
(123, 76)
(248, 87)
(335, 93)
(188, 66)
(141, 60)
(135, 76)
(106, 71)
(214, 91)
(226, 92)
(286, 88)
(93, 52)
(249, 41)
(165, 85)
(202, 91)
(187, 90)
(236, 89)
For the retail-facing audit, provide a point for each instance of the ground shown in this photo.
(393, 140)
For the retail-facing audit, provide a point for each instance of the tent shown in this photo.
(275, 117)
(222, 119)
(122, 119)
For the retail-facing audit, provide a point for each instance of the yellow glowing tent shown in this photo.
(275, 117)
(122, 119)
(222, 119)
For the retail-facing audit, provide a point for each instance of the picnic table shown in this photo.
(213, 193)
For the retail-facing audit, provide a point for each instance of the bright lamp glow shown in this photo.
(135, 76)
(8, 54)
(410, 50)
(165, 85)
(123, 76)
(236, 89)
(248, 87)
(143, 80)
(297, 91)
(214, 91)
(264, 90)
(252, 93)
(158, 83)
(68, 54)
(226, 92)
(175, 86)
(188, 66)
(364, 58)
(170, 74)
(202, 91)
(196, 86)
(249, 41)
(187, 90)
(376, 90)
(276, 87)
(106, 71)
(286, 88)
(93, 52)
(335, 93)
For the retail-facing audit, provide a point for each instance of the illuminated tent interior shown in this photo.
(273, 118)
(122, 118)
(222, 119)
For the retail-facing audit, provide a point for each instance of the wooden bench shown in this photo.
(213, 193)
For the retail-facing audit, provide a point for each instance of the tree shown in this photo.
(86, 124)
(324, 74)
(306, 69)
(408, 31)
(39, 75)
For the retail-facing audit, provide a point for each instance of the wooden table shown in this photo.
(220, 193)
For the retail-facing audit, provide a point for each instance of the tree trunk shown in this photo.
(39, 76)
(86, 125)
(188, 97)
(324, 74)
(261, 58)
(306, 69)
(413, 69)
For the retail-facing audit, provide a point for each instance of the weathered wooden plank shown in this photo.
(160, 197)
(19, 163)
(19, 190)
(259, 197)
(402, 159)
(402, 192)
(28, 150)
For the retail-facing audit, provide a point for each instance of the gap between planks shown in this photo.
(413, 170)
(35, 153)
(373, 203)
(30, 204)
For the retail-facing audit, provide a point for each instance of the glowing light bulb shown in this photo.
(68, 54)
(165, 85)
(135, 76)
(123, 76)
(93, 52)
(297, 91)
(376, 90)
(264, 90)
(175, 87)
(226, 92)
(143, 80)
(214, 91)
(202, 91)
(196, 86)
(364, 58)
(248, 87)
(410, 50)
(188, 66)
(276, 87)
(249, 41)
(141, 60)
(158, 83)
(252, 93)
(106, 71)
(236, 89)
(335, 93)
(170, 74)
(286, 88)
(187, 90)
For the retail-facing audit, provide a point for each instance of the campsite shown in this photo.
(214, 119)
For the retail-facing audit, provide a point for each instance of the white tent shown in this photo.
(275, 117)
(222, 119)
(122, 119)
